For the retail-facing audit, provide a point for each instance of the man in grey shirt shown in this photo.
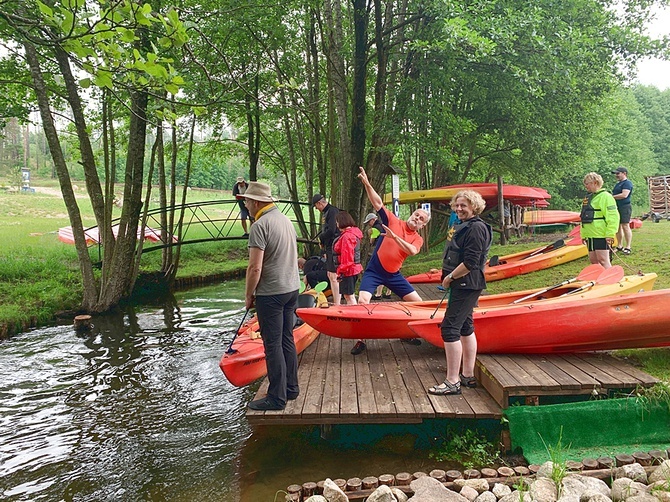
(272, 284)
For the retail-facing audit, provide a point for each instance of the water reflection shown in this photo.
(135, 409)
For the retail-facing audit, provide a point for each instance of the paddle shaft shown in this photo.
(554, 245)
(230, 349)
(538, 293)
(439, 304)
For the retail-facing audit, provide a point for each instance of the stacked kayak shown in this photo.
(523, 262)
(516, 194)
(244, 362)
(393, 319)
(636, 320)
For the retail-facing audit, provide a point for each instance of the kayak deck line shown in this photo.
(387, 384)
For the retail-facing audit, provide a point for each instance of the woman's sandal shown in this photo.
(626, 251)
(468, 381)
(446, 388)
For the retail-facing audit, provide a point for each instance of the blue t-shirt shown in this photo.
(620, 187)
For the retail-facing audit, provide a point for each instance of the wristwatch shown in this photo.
(450, 276)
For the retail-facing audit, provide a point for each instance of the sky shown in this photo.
(655, 71)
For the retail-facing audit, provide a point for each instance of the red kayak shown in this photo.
(244, 362)
(523, 262)
(391, 319)
(635, 320)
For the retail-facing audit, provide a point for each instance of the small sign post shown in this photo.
(395, 194)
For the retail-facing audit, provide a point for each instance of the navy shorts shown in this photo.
(374, 277)
(244, 213)
(625, 212)
(596, 244)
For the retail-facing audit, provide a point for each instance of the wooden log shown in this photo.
(642, 458)
(505, 472)
(353, 484)
(341, 483)
(472, 474)
(522, 470)
(370, 482)
(658, 456)
(573, 465)
(319, 486)
(438, 474)
(624, 459)
(590, 464)
(403, 479)
(453, 474)
(533, 468)
(292, 489)
(605, 462)
(308, 489)
(82, 322)
(487, 472)
(418, 474)
(387, 479)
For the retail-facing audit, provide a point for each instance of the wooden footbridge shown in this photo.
(387, 383)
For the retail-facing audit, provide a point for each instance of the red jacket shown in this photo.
(347, 247)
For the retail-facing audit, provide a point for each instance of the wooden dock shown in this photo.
(388, 382)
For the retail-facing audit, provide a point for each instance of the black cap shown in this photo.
(317, 197)
(620, 170)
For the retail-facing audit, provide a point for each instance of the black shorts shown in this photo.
(330, 260)
(348, 285)
(625, 213)
(244, 213)
(458, 320)
(596, 244)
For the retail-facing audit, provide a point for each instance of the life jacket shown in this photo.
(357, 250)
(454, 253)
(588, 213)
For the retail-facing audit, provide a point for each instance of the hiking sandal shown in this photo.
(468, 381)
(446, 388)
(626, 251)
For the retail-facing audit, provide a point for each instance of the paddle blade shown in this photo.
(611, 275)
(321, 286)
(591, 273)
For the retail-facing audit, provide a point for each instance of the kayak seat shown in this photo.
(304, 301)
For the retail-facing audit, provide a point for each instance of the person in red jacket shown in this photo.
(347, 254)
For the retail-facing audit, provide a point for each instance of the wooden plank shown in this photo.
(305, 363)
(348, 390)
(423, 360)
(459, 406)
(524, 380)
(545, 380)
(399, 393)
(497, 370)
(585, 380)
(590, 367)
(415, 389)
(482, 404)
(644, 378)
(330, 402)
(620, 371)
(488, 382)
(364, 390)
(381, 390)
(314, 392)
(564, 380)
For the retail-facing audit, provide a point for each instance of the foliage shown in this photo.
(469, 448)
(558, 456)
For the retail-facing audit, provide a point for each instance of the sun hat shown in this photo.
(620, 170)
(370, 216)
(258, 191)
(317, 197)
(240, 179)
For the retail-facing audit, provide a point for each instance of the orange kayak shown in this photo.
(245, 363)
(635, 320)
(523, 262)
(392, 319)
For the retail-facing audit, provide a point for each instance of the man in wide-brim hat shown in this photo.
(238, 190)
(272, 283)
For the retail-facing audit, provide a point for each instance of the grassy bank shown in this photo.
(39, 275)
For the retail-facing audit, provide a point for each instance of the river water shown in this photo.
(137, 409)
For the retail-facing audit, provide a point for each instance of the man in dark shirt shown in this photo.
(621, 193)
(238, 191)
(329, 232)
